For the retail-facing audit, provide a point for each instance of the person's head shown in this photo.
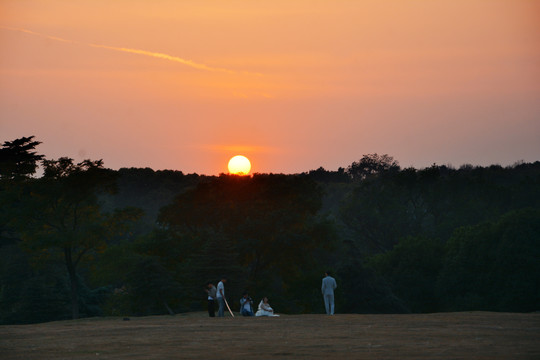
(327, 273)
(245, 294)
(209, 284)
(224, 279)
(265, 300)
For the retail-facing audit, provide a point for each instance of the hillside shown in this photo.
(470, 335)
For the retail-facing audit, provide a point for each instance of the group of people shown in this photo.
(264, 308)
(216, 294)
(246, 303)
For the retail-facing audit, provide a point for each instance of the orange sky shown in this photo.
(293, 85)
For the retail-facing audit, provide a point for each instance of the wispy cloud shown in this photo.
(158, 55)
(38, 34)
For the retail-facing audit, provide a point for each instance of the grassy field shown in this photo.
(470, 335)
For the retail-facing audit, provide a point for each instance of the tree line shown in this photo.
(83, 240)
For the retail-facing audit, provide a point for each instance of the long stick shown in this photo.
(228, 307)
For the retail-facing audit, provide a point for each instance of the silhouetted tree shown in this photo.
(269, 222)
(493, 265)
(17, 158)
(379, 214)
(61, 215)
(412, 268)
(370, 165)
(18, 162)
(326, 176)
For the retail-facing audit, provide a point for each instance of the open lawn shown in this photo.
(467, 335)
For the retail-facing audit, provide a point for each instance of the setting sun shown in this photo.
(239, 165)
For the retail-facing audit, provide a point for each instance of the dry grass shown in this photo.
(471, 335)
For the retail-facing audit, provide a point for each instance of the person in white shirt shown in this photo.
(221, 296)
(327, 289)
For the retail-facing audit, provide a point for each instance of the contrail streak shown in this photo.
(132, 51)
(163, 56)
(38, 34)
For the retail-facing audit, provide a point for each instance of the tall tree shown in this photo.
(493, 265)
(268, 222)
(61, 215)
(18, 161)
(17, 158)
(370, 165)
(412, 268)
(378, 212)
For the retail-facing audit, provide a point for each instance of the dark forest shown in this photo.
(81, 240)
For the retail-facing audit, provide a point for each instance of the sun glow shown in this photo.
(239, 165)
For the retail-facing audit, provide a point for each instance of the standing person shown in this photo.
(212, 293)
(327, 289)
(221, 296)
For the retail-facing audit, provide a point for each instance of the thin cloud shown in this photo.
(38, 34)
(128, 50)
(164, 56)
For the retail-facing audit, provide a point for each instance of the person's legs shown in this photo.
(331, 302)
(221, 311)
(326, 304)
(247, 312)
(211, 308)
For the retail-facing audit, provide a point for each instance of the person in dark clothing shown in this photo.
(212, 293)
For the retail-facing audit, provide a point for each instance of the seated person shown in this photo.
(246, 305)
(265, 309)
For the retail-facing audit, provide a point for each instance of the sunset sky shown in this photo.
(292, 85)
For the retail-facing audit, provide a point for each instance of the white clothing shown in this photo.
(327, 289)
(247, 306)
(220, 289)
(265, 310)
(328, 285)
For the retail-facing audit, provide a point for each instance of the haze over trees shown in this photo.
(83, 240)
